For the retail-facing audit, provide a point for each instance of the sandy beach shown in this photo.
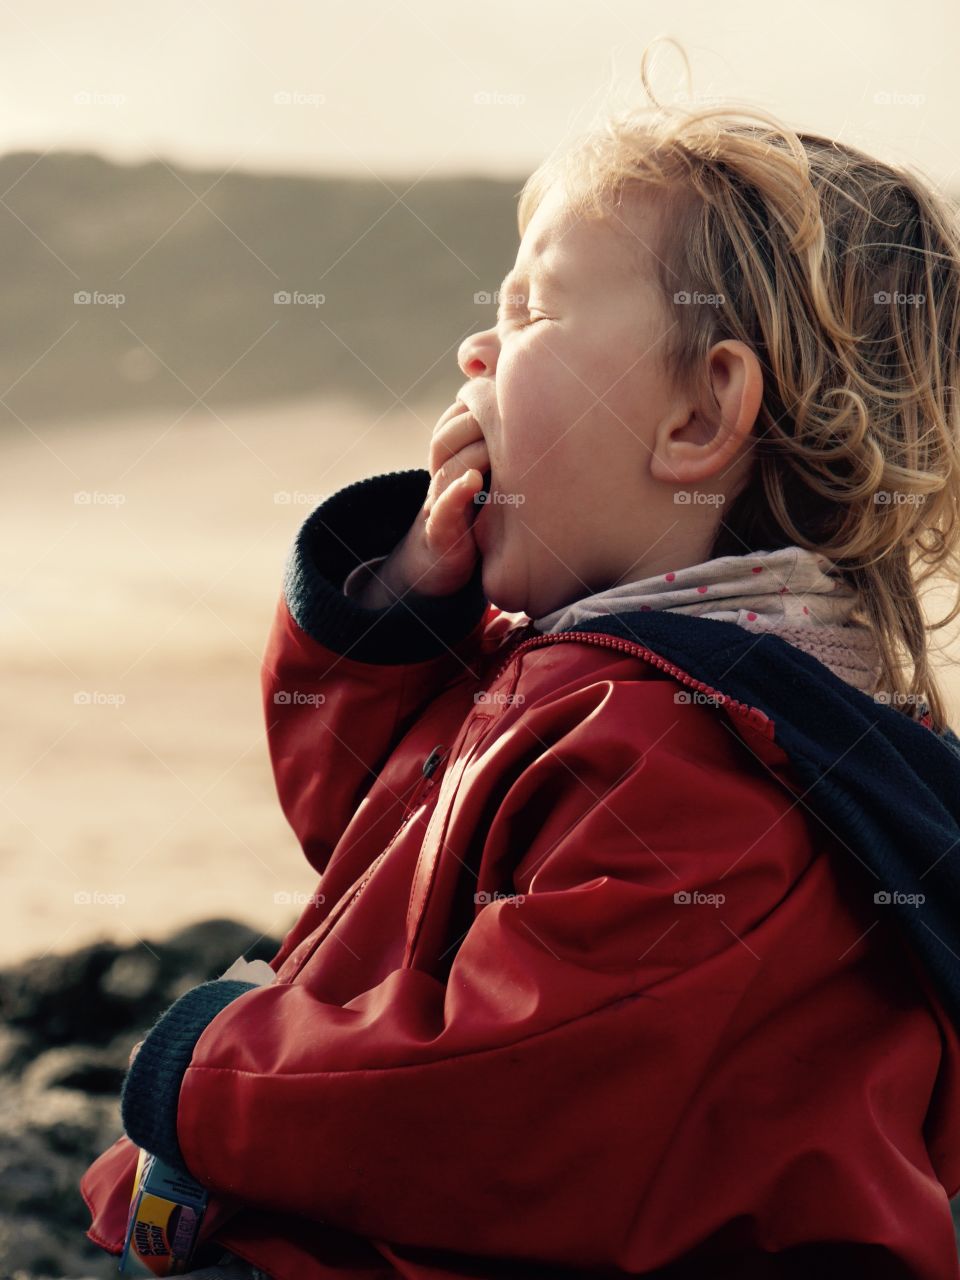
(138, 790)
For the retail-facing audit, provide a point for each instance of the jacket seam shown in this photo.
(437, 1062)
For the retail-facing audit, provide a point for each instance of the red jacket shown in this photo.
(589, 984)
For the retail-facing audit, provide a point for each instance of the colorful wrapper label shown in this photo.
(166, 1210)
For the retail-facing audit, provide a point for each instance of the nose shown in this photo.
(478, 353)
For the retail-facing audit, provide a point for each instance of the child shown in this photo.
(636, 947)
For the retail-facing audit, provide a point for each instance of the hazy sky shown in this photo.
(406, 86)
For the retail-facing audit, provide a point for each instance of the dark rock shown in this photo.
(98, 991)
(58, 996)
(17, 1048)
(67, 1024)
(34, 1248)
(210, 946)
(99, 1071)
(132, 976)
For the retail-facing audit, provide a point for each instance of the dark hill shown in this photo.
(199, 256)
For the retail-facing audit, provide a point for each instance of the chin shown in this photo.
(505, 595)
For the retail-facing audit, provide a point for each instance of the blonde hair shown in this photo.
(842, 273)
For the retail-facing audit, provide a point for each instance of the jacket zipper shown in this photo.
(759, 719)
(423, 784)
(754, 715)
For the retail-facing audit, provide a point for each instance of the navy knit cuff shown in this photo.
(151, 1089)
(361, 521)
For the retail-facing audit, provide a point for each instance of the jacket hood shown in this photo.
(886, 785)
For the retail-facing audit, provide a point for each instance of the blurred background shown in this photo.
(240, 246)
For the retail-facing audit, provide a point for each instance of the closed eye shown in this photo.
(521, 323)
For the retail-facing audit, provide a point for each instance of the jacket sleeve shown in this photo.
(342, 683)
(520, 1104)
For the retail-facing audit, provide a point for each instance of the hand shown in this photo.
(133, 1052)
(438, 553)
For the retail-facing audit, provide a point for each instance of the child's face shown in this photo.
(569, 395)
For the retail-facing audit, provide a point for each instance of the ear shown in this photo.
(704, 442)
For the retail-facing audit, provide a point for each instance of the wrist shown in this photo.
(384, 584)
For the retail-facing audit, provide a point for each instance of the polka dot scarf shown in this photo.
(792, 592)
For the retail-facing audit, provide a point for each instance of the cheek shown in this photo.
(540, 396)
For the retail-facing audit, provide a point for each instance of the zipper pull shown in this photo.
(433, 759)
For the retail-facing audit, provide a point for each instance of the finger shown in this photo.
(474, 455)
(452, 410)
(454, 511)
(459, 432)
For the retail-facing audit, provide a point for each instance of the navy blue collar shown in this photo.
(887, 785)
